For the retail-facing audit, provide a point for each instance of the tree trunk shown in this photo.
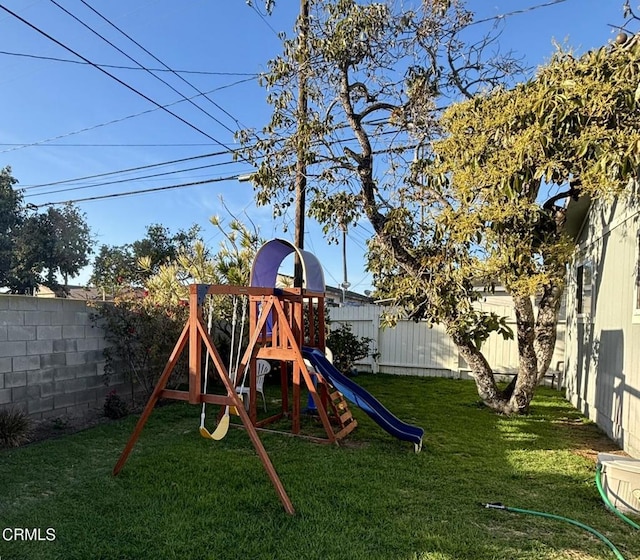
(527, 379)
(482, 372)
(546, 329)
(517, 396)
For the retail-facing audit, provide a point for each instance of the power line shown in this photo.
(500, 17)
(112, 76)
(141, 191)
(261, 16)
(114, 121)
(170, 162)
(122, 67)
(132, 179)
(189, 145)
(168, 68)
(129, 170)
(76, 18)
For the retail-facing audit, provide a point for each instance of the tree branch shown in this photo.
(365, 174)
(379, 107)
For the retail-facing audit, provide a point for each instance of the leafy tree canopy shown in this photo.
(230, 265)
(11, 215)
(131, 265)
(65, 242)
(456, 197)
(36, 247)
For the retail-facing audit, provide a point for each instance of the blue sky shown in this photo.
(63, 121)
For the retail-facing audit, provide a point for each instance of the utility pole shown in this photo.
(302, 140)
(345, 282)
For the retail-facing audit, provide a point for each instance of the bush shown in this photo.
(15, 428)
(115, 406)
(140, 337)
(347, 348)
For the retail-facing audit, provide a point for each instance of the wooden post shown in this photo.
(312, 322)
(284, 387)
(321, 325)
(195, 346)
(162, 382)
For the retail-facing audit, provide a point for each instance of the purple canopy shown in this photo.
(269, 257)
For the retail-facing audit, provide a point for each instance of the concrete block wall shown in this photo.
(51, 361)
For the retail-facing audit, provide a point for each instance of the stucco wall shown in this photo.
(51, 361)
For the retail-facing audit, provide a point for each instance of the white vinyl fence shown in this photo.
(413, 348)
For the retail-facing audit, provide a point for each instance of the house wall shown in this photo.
(51, 361)
(603, 342)
(413, 348)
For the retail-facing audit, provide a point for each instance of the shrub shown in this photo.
(15, 427)
(115, 406)
(348, 348)
(140, 336)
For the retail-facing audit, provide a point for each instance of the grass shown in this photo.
(180, 496)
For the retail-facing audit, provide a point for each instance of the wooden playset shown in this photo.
(282, 322)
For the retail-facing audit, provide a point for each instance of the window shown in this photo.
(584, 283)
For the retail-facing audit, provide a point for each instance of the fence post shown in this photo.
(375, 320)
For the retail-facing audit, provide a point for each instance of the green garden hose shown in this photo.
(604, 539)
(608, 503)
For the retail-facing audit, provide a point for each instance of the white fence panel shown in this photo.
(413, 348)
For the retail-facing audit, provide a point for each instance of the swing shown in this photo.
(223, 426)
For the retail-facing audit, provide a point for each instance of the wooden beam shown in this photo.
(253, 436)
(162, 382)
(221, 400)
(195, 346)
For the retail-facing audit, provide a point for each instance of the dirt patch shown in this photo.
(590, 439)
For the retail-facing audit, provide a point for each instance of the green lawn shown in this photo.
(181, 496)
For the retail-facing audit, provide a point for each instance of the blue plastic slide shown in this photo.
(361, 398)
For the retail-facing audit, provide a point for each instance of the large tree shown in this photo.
(512, 160)
(57, 241)
(160, 246)
(113, 267)
(11, 216)
(65, 242)
(377, 76)
(447, 218)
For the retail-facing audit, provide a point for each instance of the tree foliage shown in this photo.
(113, 268)
(456, 198)
(127, 266)
(514, 157)
(197, 264)
(142, 329)
(140, 336)
(11, 214)
(348, 348)
(35, 248)
(64, 242)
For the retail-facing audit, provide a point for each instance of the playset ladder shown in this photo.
(341, 413)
